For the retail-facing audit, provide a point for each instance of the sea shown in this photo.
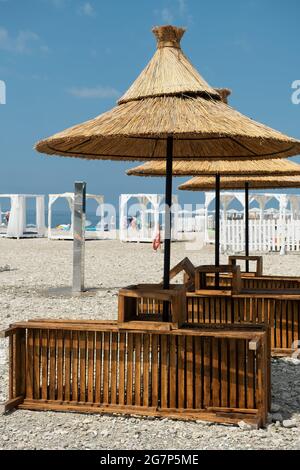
(59, 217)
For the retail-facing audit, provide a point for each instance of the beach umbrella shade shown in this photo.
(170, 113)
(209, 167)
(201, 183)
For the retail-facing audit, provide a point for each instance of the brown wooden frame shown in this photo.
(204, 273)
(144, 302)
(280, 311)
(188, 270)
(219, 374)
(258, 259)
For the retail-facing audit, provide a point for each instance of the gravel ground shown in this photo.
(31, 270)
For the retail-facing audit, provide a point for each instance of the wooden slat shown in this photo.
(44, 364)
(52, 365)
(90, 374)
(181, 371)
(190, 372)
(60, 365)
(137, 381)
(296, 323)
(241, 373)
(173, 373)
(129, 387)
(206, 310)
(277, 318)
(114, 356)
(36, 364)
(75, 371)
(29, 365)
(198, 373)
(20, 363)
(164, 371)
(67, 364)
(206, 372)
(201, 309)
(289, 324)
(215, 373)
(11, 368)
(106, 348)
(121, 388)
(218, 309)
(284, 324)
(224, 373)
(82, 365)
(250, 379)
(146, 359)
(233, 375)
(98, 367)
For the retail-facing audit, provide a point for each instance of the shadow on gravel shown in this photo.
(286, 386)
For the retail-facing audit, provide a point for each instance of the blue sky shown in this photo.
(65, 61)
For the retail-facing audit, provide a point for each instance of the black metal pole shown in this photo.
(247, 224)
(217, 227)
(168, 204)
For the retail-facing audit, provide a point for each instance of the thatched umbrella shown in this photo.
(202, 183)
(170, 112)
(207, 183)
(210, 167)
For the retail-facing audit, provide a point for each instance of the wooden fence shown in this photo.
(191, 373)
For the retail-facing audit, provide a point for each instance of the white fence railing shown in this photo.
(265, 235)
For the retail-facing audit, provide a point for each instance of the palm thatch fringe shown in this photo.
(200, 183)
(222, 167)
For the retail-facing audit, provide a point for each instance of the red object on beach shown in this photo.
(156, 242)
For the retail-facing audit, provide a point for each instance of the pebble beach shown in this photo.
(34, 277)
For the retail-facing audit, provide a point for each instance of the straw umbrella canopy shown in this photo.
(207, 183)
(222, 167)
(202, 183)
(170, 112)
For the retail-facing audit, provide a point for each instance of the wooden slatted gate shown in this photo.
(189, 373)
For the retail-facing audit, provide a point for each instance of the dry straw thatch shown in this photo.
(203, 183)
(222, 167)
(170, 98)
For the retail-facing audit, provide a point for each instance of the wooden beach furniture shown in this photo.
(218, 373)
(245, 298)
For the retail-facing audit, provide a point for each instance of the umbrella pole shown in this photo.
(168, 204)
(217, 228)
(247, 224)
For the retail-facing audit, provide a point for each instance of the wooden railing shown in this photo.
(192, 373)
